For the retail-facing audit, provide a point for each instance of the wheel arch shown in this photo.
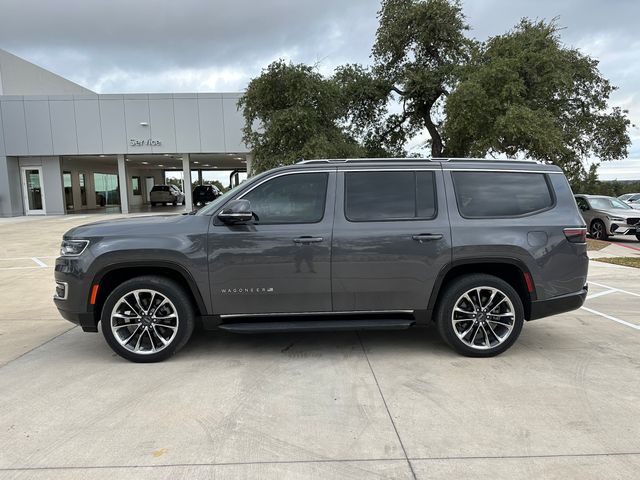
(510, 270)
(113, 275)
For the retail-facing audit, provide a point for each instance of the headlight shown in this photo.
(73, 248)
(616, 219)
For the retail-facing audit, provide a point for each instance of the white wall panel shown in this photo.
(187, 124)
(233, 123)
(15, 131)
(136, 112)
(38, 124)
(2, 150)
(63, 127)
(162, 124)
(88, 126)
(212, 138)
(114, 135)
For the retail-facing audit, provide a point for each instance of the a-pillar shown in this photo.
(123, 184)
(186, 175)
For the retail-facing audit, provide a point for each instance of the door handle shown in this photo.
(306, 240)
(423, 237)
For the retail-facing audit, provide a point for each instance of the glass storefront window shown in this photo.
(83, 189)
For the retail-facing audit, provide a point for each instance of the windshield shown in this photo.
(608, 203)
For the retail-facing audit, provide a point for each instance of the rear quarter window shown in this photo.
(501, 194)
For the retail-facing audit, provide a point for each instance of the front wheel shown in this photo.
(599, 230)
(480, 315)
(147, 319)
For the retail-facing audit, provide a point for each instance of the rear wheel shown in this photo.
(147, 319)
(598, 230)
(480, 315)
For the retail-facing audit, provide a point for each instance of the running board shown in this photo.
(318, 325)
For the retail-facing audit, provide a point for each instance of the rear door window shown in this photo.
(389, 195)
(501, 194)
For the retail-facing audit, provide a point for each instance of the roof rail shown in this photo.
(411, 159)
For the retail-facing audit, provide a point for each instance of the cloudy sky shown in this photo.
(119, 46)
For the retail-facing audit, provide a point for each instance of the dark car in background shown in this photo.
(204, 194)
(476, 246)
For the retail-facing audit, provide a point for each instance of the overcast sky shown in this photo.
(120, 46)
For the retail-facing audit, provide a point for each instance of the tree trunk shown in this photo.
(436, 139)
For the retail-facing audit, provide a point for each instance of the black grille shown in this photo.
(632, 221)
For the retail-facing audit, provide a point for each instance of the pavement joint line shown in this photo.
(384, 401)
(337, 460)
(600, 294)
(26, 258)
(614, 288)
(22, 268)
(615, 319)
(37, 347)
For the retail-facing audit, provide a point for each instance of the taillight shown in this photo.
(576, 235)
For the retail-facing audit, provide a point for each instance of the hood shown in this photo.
(616, 212)
(137, 226)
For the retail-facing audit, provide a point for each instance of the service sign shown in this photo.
(149, 142)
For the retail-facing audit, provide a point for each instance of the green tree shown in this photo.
(525, 94)
(521, 94)
(292, 112)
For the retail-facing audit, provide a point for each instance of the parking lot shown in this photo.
(564, 402)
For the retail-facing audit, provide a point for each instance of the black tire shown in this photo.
(598, 230)
(638, 236)
(153, 204)
(454, 291)
(167, 288)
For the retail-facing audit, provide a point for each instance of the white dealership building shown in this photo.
(65, 149)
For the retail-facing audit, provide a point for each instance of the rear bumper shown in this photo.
(556, 305)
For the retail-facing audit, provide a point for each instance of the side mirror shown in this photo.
(236, 211)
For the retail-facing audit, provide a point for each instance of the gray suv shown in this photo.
(475, 246)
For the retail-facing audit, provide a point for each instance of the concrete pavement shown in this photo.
(562, 403)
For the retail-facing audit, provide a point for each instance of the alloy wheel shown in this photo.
(144, 321)
(597, 230)
(483, 317)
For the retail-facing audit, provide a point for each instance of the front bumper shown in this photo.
(616, 229)
(72, 301)
(560, 304)
(83, 319)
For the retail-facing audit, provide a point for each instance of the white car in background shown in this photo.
(631, 199)
(166, 194)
